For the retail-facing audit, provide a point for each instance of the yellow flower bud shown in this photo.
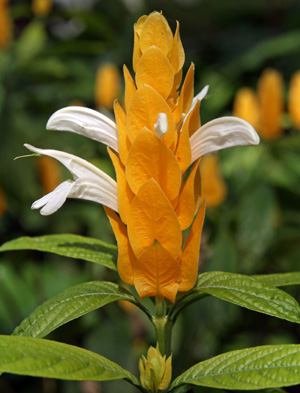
(49, 171)
(270, 96)
(294, 99)
(155, 370)
(108, 85)
(6, 25)
(41, 7)
(213, 188)
(246, 106)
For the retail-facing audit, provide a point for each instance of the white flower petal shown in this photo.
(86, 122)
(53, 201)
(90, 183)
(77, 166)
(85, 189)
(198, 97)
(222, 133)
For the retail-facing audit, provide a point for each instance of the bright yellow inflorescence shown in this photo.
(213, 187)
(108, 85)
(50, 173)
(155, 370)
(157, 198)
(246, 106)
(265, 109)
(6, 24)
(294, 99)
(270, 96)
(41, 7)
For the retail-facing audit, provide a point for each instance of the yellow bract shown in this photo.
(270, 95)
(145, 106)
(294, 99)
(6, 25)
(126, 258)
(155, 70)
(157, 271)
(157, 198)
(151, 217)
(125, 195)
(149, 158)
(156, 31)
(41, 7)
(213, 188)
(108, 85)
(187, 204)
(246, 106)
(263, 109)
(50, 174)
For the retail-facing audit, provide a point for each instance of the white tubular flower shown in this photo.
(86, 122)
(220, 134)
(198, 97)
(89, 183)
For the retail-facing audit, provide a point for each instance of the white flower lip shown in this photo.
(51, 202)
(86, 122)
(89, 183)
(220, 134)
(161, 127)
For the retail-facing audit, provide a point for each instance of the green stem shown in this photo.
(159, 307)
(163, 328)
(184, 302)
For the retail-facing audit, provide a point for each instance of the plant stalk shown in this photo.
(163, 328)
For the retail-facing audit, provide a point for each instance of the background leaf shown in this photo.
(252, 368)
(68, 245)
(32, 42)
(51, 359)
(279, 279)
(68, 305)
(250, 293)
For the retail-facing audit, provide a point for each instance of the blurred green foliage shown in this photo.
(52, 63)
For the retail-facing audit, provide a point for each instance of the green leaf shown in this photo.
(250, 293)
(68, 245)
(262, 367)
(252, 59)
(202, 389)
(68, 305)
(44, 358)
(255, 236)
(280, 279)
(183, 389)
(31, 42)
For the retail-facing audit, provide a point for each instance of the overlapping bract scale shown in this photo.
(149, 158)
(154, 69)
(145, 106)
(151, 217)
(157, 273)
